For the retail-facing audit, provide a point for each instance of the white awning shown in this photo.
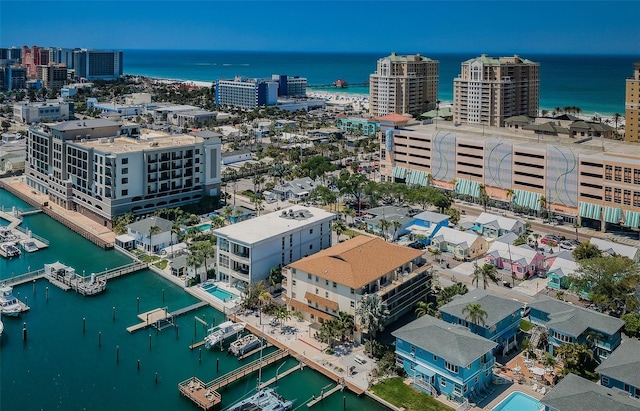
(125, 238)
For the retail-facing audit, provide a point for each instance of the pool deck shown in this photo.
(500, 394)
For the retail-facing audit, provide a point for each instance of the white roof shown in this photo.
(610, 247)
(497, 221)
(125, 238)
(523, 255)
(174, 248)
(457, 237)
(563, 266)
(257, 229)
(421, 230)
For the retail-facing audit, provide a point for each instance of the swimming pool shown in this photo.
(204, 227)
(219, 293)
(518, 401)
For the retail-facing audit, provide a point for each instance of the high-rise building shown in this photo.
(489, 90)
(246, 93)
(34, 57)
(12, 77)
(12, 53)
(403, 84)
(290, 86)
(62, 56)
(53, 76)
(97, 64)
(632, 106)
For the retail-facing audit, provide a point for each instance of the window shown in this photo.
(125, 170)
(413, 350)
(293, 295)
(443, 382)
(607, 172)
(451, 367)
(435, 358)
(335, 285)
(317, 278)
(326, 294)
(311, 231)
(125, 161)
(617, 173)
(353, 304)
(353, 291)
(125, 192)
(125, 180)
(293, 282)
(308, 276)
(317, 291)
(310, 246)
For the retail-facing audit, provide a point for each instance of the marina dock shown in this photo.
(324, 395)
(205, 396)
(282, 375)
(160, 318)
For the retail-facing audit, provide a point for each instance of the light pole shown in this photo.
(437, 111)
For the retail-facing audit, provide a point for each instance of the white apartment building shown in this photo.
(403, 84)
(247, 251)
(101, 168)
(36, 112)
(336, 279)
(489, 90)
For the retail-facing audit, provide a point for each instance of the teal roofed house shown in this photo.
(443, 358)
(501, 323)
(562, 266)
(575, 393)
(568, 323)
(622, 369)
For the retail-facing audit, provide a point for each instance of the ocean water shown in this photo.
(595, 83)
(62, 367)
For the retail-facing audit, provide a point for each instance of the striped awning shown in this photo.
(612, 215)
(631, 219)
(417, 178)
(590, 210)
(399, 172)
(527, 199)
(467, 187)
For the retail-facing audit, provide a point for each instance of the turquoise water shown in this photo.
(60, 367)
(220, 294)
(595, 83)
(204, 227)
(518, 401)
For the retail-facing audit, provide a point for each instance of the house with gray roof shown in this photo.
(562, 266)
(150, 234)
(390, 214)
(501, 323)
(567, 323)
(491, 225)
(444, 358)
(575, 393)
(426, 224)
(622, 369)
(465, 245)
(611, 248)
(297, 189)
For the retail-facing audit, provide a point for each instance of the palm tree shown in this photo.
(339, 227)
(510, 194)
(486, 272)
(475, 314)
(436, 254)
(195, 260)
(153, 230)
(372, 312)
(384, 227)
(573, 355)
(347, 321)
(395, 225)
(424, 308)
(543, 203)
(331, 331)
(616, 119)
(263, 297)
(484, 197)
(560, 295)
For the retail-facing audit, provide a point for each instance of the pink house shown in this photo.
(522, 261)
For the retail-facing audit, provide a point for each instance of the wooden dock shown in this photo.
(204, 395)
(324, 395)
(284, 374)
(188, 308)
(149, 318)
(257, 350)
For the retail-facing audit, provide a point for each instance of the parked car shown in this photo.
(418, 245)
(550, 239)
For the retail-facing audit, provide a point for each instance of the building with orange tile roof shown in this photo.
(336, 279)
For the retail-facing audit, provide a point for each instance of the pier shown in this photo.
(284, 374)
(323, 395)
(160, 318)
(205, 396)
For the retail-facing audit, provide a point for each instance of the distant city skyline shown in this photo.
(493, 27)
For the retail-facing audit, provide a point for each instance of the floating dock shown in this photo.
(161, 318)
(324, 395)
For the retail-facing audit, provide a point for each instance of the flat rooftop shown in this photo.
(258, 229)
(150, 141)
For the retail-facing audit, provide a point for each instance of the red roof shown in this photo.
(394, 118)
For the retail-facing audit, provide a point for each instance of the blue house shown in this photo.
(575, 393)
(622, 369)
(568, 323)
(442, 358)
(426, 224)
(501, 323)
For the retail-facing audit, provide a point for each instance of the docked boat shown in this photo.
(221, 332)
(244, 345)
(264, 400)
(9, 250)
(29, 246)
(66, 277)
(9, 304)
(1, 327)
(7, 235)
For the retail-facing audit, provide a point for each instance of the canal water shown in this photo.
(79, 356)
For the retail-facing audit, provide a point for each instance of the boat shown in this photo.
(1, 326)
(29, 246)
(66, 277)
(264, 400)
(221, 332)
(7, 235)
(9, 304)
(9, 250)
(244, 345)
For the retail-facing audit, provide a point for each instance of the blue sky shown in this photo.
(544, 26)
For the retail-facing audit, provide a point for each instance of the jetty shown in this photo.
(282, 375)
(205, 395)
(161, 318)
(323, 395)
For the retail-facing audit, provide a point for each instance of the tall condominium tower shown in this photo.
(632, 106)
(97, 64)
(403, 84)
(489, 90)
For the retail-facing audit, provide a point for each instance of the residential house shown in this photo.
(611, 248)
(491, 225)
(575, 393)
(296, 190)
(501, 323)
(622, 369)
(392, 215)
(247, 251)
(442, 358)
(181, 269)
(464, 245)
(336, 279)
(562, 266)
(567, 323)
(141, 235)
(426, 224)
(521, 261)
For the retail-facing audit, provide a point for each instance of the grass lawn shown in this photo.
(162, 264)
(400, 394)
(525, 325)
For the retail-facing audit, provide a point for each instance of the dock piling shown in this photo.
(176, 331)
(138, 303)
(217, 364)
(24, 331)
(156, 378)
(199, 354)
(117, 354)
(84, 325)
(26, 300)
(149, 342)
(113, 313)
(99, 339)
(163, 295)
(46, 293)
(138, 365)
(34, 287)
(344, 402)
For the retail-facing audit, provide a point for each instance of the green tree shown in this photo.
(631, 324)
(347, 321)
(153, 230)
(586, 251)
(576, 358)
(424, 308)
(372, 313)
(475, 314)
(487, 272)
(384, 227)
(446, 294)
(454, 215)
(195, 261)
(484, 197)
(331, 331)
